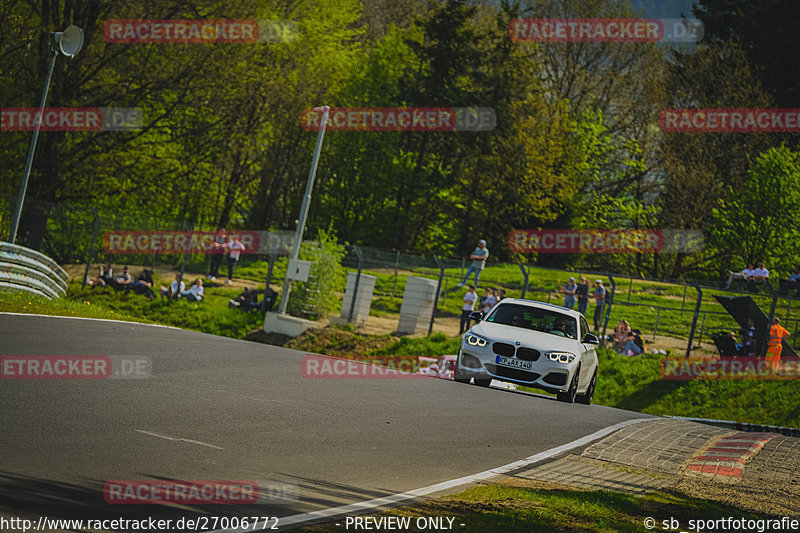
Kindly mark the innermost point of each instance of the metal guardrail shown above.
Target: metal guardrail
(23, 269)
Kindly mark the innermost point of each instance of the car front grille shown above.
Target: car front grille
(528, 354)
(508, 350)
(501, 348)
(512, 373)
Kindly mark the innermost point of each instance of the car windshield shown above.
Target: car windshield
(545, 320)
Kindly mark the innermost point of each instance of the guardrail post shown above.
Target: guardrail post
(91, 246)
(438, 290)
(524, 279)
(358, 280)
(694, 318)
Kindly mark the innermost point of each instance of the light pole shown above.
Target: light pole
(301, 223)
(69, 42)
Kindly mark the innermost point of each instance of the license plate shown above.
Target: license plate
(514, 363)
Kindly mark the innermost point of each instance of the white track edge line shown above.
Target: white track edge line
(295, 520)
(87, 318)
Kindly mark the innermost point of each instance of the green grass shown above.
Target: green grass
(210, 316)
(516, 507)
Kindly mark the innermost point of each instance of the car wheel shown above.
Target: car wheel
(483, 382)
(569, 396)
(586, 398)
(459, 375)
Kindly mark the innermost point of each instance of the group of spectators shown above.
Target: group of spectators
(580, 293)
(143, 284)
(484, 304)
(756, 273)
(729, 344)
(627, 341)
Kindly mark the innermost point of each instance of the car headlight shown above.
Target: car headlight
(474, 340)
(561, 357)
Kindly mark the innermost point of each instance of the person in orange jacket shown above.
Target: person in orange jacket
(774, 347)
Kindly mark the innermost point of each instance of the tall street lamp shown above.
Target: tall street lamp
(69, 42)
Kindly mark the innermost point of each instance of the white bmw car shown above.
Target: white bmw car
(535, 344)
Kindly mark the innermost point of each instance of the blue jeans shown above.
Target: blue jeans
(470, 270)
(598, 316)
(569, 301)
(631, 346)
(582, 305)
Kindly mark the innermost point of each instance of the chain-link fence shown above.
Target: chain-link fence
(660, 309)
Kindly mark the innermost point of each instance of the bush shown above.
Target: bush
(314, 298)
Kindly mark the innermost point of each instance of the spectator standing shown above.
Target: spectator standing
(490, 301)
(470, 298)
(234, 248)
(774, 344)
(216, 257)
(478, 257)
(582, 293)
(750, 341)
(599, 296)
(195, 292)
(569, 291)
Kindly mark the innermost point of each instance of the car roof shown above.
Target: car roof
(542, 305)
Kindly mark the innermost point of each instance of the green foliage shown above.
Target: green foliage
(314, 298)
(758, 220)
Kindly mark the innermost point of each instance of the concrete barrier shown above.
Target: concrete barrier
(23, 269)
(417, 306)
(366, 288)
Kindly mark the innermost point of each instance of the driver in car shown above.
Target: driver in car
(559, 327)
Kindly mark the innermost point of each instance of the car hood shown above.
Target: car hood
(526, 337)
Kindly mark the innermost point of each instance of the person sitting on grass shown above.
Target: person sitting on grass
(246, 300)
(123, 280)
(105, 278)
(143, 285)
(631, 347)
(174, 288)
(195, 292)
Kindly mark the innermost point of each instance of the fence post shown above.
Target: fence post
(358, 280)
(685, 288)
(91, 246)
(630, 289)
(273, 256)
(396, 266)
(658, 319)
(524, 280)
(694, 318)
(183, 266)
(438, 290)
(607, 310)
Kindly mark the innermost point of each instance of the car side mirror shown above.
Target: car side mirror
(590, 338)
(477, 316)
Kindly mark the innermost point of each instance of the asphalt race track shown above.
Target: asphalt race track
(220, 409)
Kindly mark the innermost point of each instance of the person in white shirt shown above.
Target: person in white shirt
(760, 274)
(469, 305)
(234, 247)
(195, 292)
(174, 288)
(490, 302)
(745, 275)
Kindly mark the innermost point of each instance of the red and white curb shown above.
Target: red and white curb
(724, 459)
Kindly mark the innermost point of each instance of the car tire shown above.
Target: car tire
(586, 398)
(458, 375)
(569, 396)
(482, 382)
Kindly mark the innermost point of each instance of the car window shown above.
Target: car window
(544, 320)
(584, 328)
